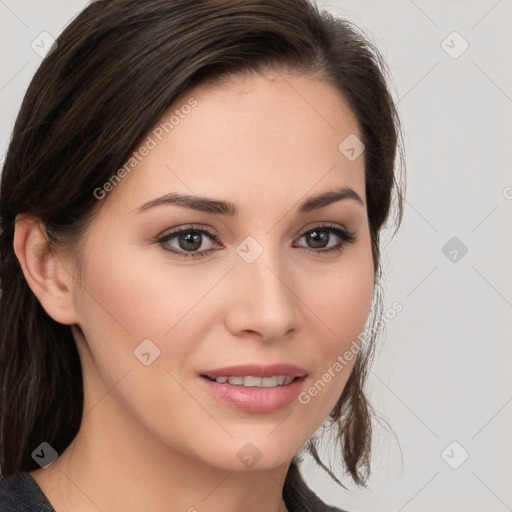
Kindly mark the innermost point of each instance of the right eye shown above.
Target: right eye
(189, 241)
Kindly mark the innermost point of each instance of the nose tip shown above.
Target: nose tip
(265, 303)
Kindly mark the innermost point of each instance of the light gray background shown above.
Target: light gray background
(442, 373)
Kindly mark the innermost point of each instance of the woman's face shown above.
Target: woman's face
(159, 311)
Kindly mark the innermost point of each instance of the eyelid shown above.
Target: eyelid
(174, 232)
(193, 227)
(346, 237)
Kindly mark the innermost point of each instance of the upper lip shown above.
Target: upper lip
(255, 370)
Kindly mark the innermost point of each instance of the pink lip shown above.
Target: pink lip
(255, 370)
(255, 399)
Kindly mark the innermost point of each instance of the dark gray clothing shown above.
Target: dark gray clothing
(20, 493)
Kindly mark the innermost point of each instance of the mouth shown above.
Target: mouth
(253, 393)
(249, 381)
(255, 388)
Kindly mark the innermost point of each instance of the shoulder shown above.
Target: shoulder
(298, 497)
(19, 492)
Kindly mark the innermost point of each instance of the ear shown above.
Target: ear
(51, 283)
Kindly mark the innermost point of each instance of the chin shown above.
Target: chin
(250, 456)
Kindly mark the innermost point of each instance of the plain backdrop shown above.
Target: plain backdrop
(441, 378)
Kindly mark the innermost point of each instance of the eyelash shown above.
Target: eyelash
(347, 237)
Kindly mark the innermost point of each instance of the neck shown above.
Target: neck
(115, 465)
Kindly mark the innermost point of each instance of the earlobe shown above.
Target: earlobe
(50, 282)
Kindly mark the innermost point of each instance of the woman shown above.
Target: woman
(191, 208)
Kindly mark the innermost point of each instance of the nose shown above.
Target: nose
(264, 300)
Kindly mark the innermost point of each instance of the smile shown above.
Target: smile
(259, 382)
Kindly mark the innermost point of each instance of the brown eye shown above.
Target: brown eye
(320, 236)
(188, 242)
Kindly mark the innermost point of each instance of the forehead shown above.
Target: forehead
(249, 138)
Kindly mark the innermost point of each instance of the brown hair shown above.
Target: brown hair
(115, 71)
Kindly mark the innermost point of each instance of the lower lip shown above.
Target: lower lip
(254, 399)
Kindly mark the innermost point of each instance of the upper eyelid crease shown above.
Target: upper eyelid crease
(340, 231)
(347, 237)
(206, 205)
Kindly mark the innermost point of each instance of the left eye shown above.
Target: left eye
(321, 234)
(190, 240)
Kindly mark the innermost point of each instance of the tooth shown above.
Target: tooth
(252, 381)
(269, 382)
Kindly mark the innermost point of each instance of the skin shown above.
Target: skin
(152, 438)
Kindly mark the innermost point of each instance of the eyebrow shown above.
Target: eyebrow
(214, 206)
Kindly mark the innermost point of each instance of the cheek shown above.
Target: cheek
(341, 297)
(131, 297)
(341, 304)
(126, 300)
(146, 300)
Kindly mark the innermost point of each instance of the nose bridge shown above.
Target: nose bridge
(266, 301)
